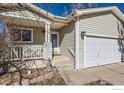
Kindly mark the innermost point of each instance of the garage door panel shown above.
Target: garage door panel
(101, 51)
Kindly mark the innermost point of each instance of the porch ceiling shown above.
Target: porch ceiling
(57, 25)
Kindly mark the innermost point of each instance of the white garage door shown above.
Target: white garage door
(101, 51)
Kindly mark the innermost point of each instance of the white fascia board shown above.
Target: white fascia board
(77, 44)
(114, 10)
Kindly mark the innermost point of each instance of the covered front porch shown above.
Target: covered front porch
(24, 35)
(32, 44)
(28, 33)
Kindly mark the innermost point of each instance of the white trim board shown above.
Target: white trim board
(77, 44)
(84, 52)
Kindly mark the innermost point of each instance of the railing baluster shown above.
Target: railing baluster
(19, 52)
(10, 53)
(23, 52)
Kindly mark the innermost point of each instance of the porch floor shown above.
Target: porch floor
(113, 73)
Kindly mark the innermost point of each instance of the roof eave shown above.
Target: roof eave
(114, 10)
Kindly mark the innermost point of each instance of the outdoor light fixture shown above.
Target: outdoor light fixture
(83, 34)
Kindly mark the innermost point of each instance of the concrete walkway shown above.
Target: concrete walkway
(113, 73)
(64, 65)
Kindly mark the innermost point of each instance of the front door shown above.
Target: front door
(55, 42)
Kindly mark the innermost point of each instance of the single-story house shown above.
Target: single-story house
(89, 37)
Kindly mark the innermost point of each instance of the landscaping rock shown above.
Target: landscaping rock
(35, 80)
(15, 83)
(49, 75)
(5, 79)
(25, 81)
(39, 76)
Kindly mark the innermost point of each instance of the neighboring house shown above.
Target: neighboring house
(90, 37)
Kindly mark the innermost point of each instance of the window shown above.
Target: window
(26, 35)
(20, 34)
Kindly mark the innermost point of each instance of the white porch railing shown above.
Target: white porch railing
(22, 52)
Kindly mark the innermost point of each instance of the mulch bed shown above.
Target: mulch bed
(40, 76)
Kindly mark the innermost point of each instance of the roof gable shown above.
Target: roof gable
(62, 20)
(22, 14)
(113, 10)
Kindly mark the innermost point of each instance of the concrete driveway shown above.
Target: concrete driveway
(113, 73)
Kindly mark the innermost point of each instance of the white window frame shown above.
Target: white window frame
(21, 35)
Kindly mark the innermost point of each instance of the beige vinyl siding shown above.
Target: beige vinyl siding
(67, 39)
(102, 24)
(105, 24)
(38, 36)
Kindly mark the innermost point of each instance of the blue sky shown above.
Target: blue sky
(59, 7)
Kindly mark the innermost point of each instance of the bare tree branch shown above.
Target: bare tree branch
(68, 7)
(7, 34)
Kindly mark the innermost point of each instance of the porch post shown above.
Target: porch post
(7, 43)
(47, 32)
(47, 43)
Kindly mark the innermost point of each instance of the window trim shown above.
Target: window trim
(21, 35)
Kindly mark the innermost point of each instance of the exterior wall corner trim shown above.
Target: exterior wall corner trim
(77, 44)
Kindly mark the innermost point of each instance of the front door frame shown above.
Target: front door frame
(56, 50)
